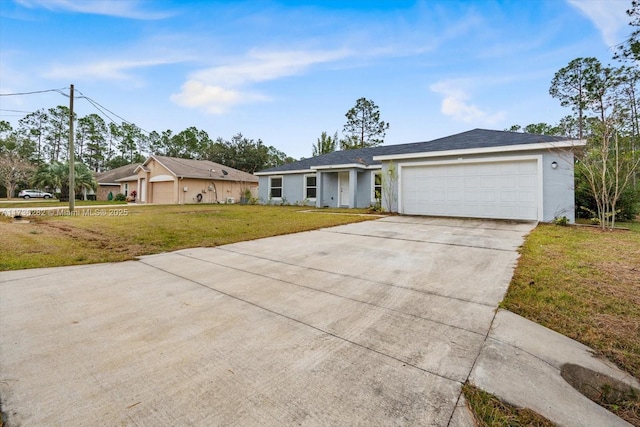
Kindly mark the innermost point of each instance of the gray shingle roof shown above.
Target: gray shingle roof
(476, 138)
(111, 176)
(204, 169)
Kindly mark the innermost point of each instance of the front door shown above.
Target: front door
(343, 187)
(143, 190)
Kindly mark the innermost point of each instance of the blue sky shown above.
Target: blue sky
(284, 71)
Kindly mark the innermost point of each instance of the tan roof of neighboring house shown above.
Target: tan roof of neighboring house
(203, 169)
(128, 178)
(112, 176)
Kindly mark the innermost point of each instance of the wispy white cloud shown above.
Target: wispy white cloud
(215, 90)
(609, 17)
(116, 69)
(262, 66)
(455, 103)
(213, 99)
(124, 9)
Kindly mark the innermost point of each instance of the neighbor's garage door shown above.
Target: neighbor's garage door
(162, 192)
(506, 190)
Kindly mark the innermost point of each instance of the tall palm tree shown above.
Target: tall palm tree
(51, 176)
(84, 178)
(55, 175)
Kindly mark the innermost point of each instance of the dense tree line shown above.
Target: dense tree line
(42, 137)
(604, 101)
(40, 143)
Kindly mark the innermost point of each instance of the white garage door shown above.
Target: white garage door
(507, 190)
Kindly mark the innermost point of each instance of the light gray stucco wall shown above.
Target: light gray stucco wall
(558, 197)
(363, 198)
(263, 189)
(292, 190)
(389, 202)
(329, 190)
(559, 186)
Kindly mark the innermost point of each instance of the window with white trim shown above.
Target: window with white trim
(275, 187)
(310, 187)
(376, 190)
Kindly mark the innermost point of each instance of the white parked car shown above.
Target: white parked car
(27, 194)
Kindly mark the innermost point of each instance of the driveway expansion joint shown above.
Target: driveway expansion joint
(382, 307)
(467, 227)
(351, 276)
(331, 334)
(406, 239)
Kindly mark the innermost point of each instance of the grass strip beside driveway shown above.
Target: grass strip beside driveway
(488, 410)
(119, 233)
(584, 283)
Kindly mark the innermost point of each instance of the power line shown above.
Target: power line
(34, 92)
(15, 111)
(101, 108)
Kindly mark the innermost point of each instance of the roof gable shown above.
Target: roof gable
(112, 176)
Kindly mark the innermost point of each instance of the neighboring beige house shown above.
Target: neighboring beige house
(171, 180)
(119, 180)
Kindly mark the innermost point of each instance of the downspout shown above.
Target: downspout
(215, 190)
(213, 184)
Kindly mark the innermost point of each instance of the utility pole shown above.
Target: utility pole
(72, 169)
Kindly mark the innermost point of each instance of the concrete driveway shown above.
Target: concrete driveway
(376, 323)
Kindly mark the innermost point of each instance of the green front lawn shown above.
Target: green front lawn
(122, 232)
(584, 283)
